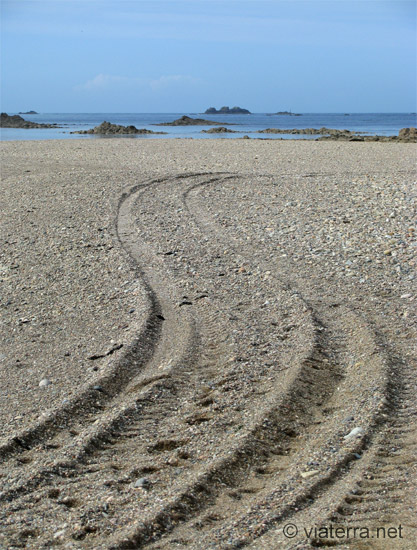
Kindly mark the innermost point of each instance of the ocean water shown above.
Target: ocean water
(371, 123)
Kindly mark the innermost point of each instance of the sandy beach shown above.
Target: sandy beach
(204, 341)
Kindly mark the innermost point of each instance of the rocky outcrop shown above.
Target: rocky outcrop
(287, 113)
(188, 121)
(309, 131)
(408, 134)
(29, 113)
(219, 130)
(16, 121)
(107, 128)
(227, 111)
(405, 135)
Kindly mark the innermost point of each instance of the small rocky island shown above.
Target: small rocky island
(227, 111)
(107, 128)
(286, 113)
(188, 121)
(16, 121)
(29, 113)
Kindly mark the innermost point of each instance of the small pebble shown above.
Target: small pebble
(142, 483)
(308, 474)
(44, 382)
(355, 432)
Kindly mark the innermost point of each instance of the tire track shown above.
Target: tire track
(116, 435)
(370, 473)
(228, 428)
(139, 538)
(385, 494)
(73, 431)
(111, 384)
(216, 513)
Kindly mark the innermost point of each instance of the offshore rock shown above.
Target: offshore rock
(219, 130)
(309, 131)
(188, 121)
(287, 113)
(227, 111)
(405, 135)
(332, 134)
(107, 128)
(16, 121)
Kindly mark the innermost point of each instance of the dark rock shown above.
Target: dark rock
(16, 121)
(142, 483)
(288, 113)
(107, 128)
(308, 131)
(407, 135)
(188, 121)
(227, 111)
(219, 130)
(29, 113)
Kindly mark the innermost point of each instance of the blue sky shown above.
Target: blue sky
(185, 56)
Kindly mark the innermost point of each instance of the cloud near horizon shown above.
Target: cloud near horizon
(105, 82)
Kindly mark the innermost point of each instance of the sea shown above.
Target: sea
(384, 124)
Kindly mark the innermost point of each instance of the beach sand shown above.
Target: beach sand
(203, 341)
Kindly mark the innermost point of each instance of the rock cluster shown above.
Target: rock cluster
(219, 130)
(188, 121)
(309, 131)
(16, 121)
(408, 134)
(227, 111)
(405, 134)
(107, 128)
(288, 113)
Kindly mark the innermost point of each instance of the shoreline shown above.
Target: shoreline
(383, 124)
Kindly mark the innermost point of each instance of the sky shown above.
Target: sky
(143, 56)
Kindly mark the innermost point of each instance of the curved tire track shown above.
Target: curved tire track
(171, 422)
(380, 367)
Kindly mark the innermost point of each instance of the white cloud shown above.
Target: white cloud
(107, 81)
(103, 82)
